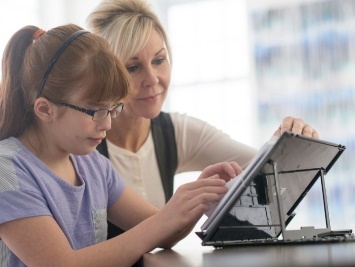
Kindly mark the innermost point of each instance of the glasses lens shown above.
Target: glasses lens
(116, 111)
(100, 114)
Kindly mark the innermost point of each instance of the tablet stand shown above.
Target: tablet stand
(305, 232)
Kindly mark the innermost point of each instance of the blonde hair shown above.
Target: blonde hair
(126, 25)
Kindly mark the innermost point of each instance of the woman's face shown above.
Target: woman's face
(150, 71)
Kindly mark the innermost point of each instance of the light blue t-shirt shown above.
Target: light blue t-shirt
(29, 188)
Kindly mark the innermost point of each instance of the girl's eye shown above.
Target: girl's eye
(132, 68)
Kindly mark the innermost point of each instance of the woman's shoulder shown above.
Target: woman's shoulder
(181, 118)
(185, 122)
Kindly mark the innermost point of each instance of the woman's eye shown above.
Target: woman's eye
(158, 61)
(132, 68)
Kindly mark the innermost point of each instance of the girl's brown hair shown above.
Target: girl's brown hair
(87, 62)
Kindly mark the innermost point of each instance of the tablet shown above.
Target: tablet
(250, 209)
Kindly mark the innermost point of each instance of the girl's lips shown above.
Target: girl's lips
(96, 140)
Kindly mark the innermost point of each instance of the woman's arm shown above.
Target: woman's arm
(200, 144)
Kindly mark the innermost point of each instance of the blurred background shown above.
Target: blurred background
(243, 65)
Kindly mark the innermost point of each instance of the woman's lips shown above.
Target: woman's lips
(150, 99)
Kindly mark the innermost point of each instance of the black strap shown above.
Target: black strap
(166, 152)
(102, 148)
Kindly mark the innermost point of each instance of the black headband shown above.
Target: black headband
(56, 56)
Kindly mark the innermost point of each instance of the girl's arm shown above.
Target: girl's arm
(39, 241)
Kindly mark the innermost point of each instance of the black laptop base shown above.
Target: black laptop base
(267, 242)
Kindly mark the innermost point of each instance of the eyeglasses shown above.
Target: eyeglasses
(97, 115)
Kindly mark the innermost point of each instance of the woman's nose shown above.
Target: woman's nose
(150, 77)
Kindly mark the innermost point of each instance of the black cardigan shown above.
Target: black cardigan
(166, 152)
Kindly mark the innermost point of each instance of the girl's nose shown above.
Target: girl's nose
(105, 124)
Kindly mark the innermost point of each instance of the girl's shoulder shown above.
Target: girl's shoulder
(9, 145)
(93, 158)
(9, 150)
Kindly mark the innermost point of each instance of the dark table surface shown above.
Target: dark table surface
(324, 254)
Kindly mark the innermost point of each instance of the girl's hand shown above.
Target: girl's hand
(224, 170)
(191, 200)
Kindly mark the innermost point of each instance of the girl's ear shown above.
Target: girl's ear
(44, 109)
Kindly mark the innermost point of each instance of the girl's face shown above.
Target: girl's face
(150, 71)
(76, 131)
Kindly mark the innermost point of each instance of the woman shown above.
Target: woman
(158, 145)
(59, 91)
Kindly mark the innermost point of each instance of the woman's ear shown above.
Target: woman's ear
(44, 109)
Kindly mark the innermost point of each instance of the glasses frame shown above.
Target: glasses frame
(91, 112)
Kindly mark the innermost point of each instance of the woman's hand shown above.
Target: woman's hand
(297, 126)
